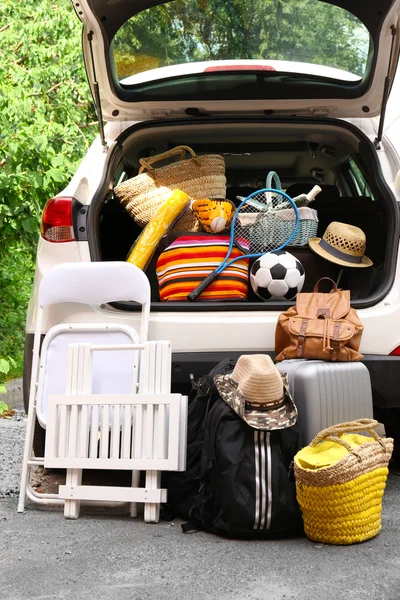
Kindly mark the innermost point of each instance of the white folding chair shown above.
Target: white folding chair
(75, 360)
(144, 431)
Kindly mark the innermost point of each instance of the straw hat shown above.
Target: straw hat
(342, 244)
(258, 393)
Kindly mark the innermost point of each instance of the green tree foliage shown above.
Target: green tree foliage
(45, 107)
(46, 115)
(195, 30)
(16, 275)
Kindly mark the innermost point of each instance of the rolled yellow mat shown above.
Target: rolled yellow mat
(157, 227)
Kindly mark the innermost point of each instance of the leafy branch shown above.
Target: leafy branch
(46, 129)
(5, 365)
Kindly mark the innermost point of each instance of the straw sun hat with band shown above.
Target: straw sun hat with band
(258, 393)
(342, 244)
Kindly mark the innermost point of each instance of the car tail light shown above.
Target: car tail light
(57, 221)
(238, 68)
(395, 352)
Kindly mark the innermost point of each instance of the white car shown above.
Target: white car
(197, 72)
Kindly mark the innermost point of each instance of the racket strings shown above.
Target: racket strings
(264, 222)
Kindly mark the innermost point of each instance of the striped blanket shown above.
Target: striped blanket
(190, 258)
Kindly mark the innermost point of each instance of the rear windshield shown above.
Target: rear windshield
(193, 36)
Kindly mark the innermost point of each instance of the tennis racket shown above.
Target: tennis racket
(265, 221)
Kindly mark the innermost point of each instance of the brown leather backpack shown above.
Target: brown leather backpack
(320, 326)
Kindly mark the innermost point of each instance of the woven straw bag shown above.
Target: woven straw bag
(341, 501)
(308, 226)
(199, 177)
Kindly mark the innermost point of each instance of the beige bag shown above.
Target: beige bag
(320, 326)
(199, 177)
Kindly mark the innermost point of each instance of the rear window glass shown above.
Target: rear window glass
(194, 36)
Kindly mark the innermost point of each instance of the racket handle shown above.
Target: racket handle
(202, 286)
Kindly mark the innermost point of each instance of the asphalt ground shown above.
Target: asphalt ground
(106, 554)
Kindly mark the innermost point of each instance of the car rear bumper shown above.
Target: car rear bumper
(384, 371)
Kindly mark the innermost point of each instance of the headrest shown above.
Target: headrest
(303, 188)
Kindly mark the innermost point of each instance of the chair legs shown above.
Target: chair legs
(152, 511)
(157, 365)
(72, 507)
(135, 484)
(27, 457)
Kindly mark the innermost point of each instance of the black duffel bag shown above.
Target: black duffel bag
(247, 487)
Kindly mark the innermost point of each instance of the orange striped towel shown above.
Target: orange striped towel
(190, 258)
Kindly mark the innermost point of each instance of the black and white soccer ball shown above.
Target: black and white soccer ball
(277, 275)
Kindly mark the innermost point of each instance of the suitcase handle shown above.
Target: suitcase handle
(334, 288)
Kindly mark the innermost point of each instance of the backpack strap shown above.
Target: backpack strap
(207, 461)
(191, 527)
(301, 338)
(219, 409)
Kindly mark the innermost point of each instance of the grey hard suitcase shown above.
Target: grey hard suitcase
(327, 393)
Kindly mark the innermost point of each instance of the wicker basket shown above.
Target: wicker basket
(341, 502)
(308, 226)
(199, 177)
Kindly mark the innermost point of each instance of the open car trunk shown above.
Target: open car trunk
(304, 152)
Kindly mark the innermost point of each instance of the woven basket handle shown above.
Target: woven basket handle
(332, 433)
(349, 427)
(181, 150)
(338, 440)
(334, 288)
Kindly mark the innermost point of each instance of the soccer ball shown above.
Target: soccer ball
(277, 275)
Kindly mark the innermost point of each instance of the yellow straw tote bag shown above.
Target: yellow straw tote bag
(340, 481)
(199, 177)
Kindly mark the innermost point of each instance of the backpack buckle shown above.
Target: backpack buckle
(195, 384)
(200, 384)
